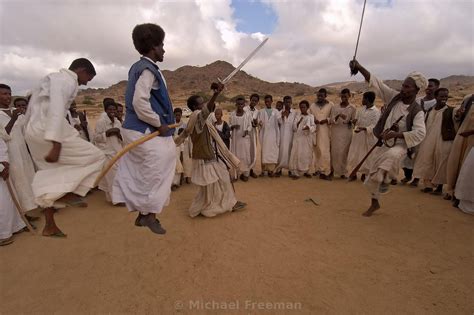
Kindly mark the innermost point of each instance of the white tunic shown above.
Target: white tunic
(341, 136)
(388, 159)
(286, 139)
(322, 144)
(145, 174)
(110, 146)
(364, 140)
(254, 145)
(240, 146)
(269, 135)
(10, 220)
(302, 150)
(79, 162)
(22, 170)
(433, 152)
(465, 185)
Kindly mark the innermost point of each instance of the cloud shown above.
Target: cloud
(312, 41)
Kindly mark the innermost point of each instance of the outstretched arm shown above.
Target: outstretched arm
(356, 66)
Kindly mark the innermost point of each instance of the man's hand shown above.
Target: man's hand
(459, 112)
(163, 129)
(324, 121)
(53, 155)
(317, 122)
(217, 87)
(236, 127)
(246, 133)
(391, 134)
(6, 170)
(112, 132)
(305, 128)
(467, 133)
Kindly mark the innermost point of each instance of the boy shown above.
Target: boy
(107, 137)
(302, 150)
(241, 142)
(285, 121)
(269, 136)
(342, 116)
(363, 138)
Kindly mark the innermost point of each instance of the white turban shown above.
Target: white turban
(420, 80)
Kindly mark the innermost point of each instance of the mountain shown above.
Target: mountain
(188, 80)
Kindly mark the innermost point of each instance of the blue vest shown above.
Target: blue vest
(159, 99)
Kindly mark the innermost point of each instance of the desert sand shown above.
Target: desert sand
(280, 255)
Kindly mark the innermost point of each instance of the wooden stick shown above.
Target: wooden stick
(127, 148)
(18, 206)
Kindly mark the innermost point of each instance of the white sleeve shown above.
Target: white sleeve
(100, 129)
(417, 134)
(312, 125)
(141, 99)
(60, 92)
(3, 153)
(382, 90)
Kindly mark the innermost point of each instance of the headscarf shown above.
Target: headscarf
(420, 80)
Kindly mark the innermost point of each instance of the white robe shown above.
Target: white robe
(433, 152)
(269, 135)
(364, 140)
(22, 170)
(286, 139)
(465, 184)
(145, 173)
(80, 162)
(322, 143)
(384, 162)
(341, 136)
(110, 146)
(10, 220)
(216, 194)
(254, 143)
(241, 146)
(302, 150)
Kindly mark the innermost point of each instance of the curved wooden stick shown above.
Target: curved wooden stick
(18, 206)
(127, 148)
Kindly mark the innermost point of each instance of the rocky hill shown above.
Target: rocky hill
(188, 80)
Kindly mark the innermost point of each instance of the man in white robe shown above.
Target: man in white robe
(255, 146)
(269, 136)
(107, 137)
(211, 160)
(363, 138)
(240, 141)
(302, 150)
(145, 174)
(66, 163)
(384, 164)
(342, 115)
(285, 120)
(465, 184)
(321, 110)
(462, 145)
(427, 102)
(433, 152)
(22, 169)
(10, 220)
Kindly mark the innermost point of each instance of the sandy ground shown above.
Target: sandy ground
(413, 256)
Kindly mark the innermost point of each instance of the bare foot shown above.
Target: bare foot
(373, 207)
(50, 227)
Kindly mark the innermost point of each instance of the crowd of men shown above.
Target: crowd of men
(50, 155)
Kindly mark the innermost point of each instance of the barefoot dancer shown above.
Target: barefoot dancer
(66, 163)
(211, 158)
(384, 164)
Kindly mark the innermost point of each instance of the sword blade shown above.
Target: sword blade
(231, 75)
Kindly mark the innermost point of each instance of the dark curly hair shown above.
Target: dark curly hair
(146, 36)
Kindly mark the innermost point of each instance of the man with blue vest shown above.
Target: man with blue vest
(145, 173)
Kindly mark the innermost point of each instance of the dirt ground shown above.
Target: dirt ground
(280, 255)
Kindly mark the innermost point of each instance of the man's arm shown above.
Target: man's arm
(11, 123)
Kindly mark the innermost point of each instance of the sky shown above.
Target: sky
(309, 41)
